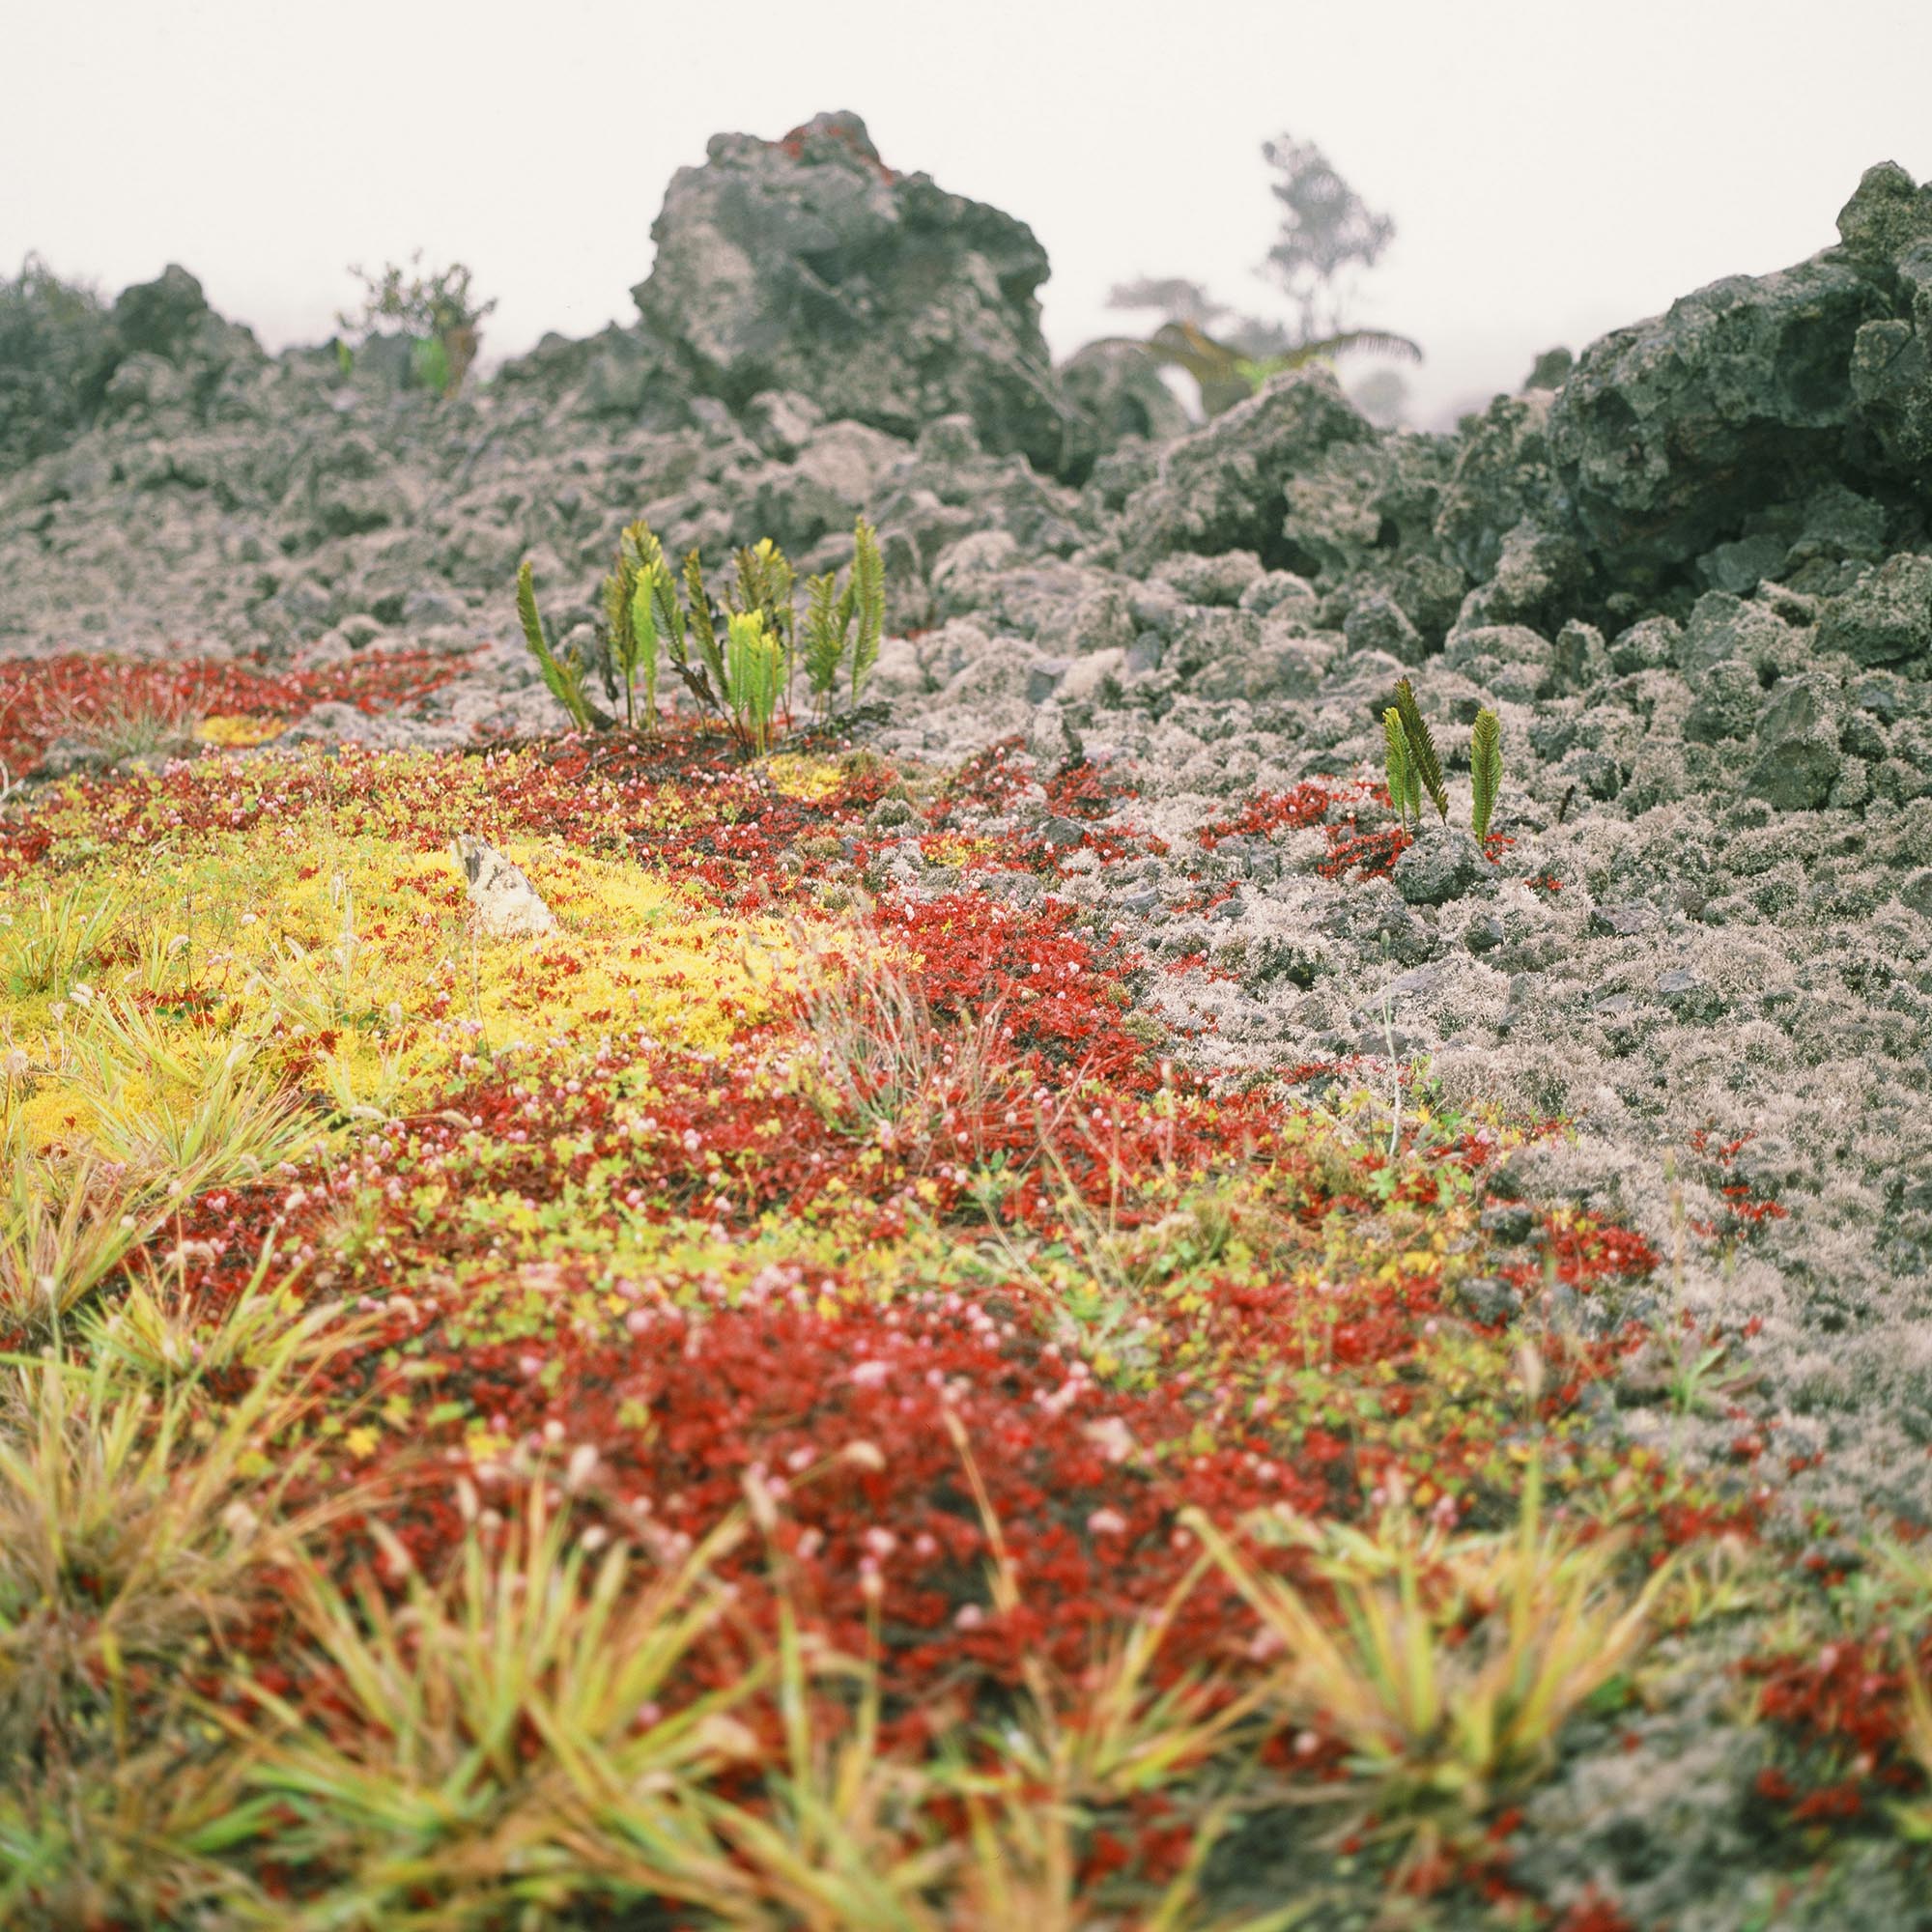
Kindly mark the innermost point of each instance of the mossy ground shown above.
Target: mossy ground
(758, 1166)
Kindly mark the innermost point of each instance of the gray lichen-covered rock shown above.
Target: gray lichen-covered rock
(807, 264)
(1116, 391)
(1442, 864)
(1500, 477)
(1671, 436)
(1887, 617)
(1798, 749)
(1222, 488)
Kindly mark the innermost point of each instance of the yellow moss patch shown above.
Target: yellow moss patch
(795, 775)
(952, 848)
(229, 728)
(355, 965)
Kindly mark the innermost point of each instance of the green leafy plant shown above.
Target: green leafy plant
(436, 310)
(563, 675)
(829, 615)
(755, 670)
(1427, 766)
(630, 619)
(764, 588)
(494, 1720)
(1404, 783)
(1227, 374)
(1455, 1661)
(737, 656)
(1415, 771)
(1486, 770)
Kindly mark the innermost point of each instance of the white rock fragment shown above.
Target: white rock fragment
(507, 906)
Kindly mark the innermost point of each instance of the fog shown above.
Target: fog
(1554, 170)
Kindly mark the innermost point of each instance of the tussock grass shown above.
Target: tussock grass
(481, 1729)
(152, 724)
(1450, 1665)
(138, 1527)
(877, 1061)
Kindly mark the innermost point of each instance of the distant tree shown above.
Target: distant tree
(1327, 228)
(437, 312)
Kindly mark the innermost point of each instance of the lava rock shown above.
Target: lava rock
(1798, 756)
(1887, 618)
(1442, 864)
(1220, 488)
(1667, 434)
(807, 264)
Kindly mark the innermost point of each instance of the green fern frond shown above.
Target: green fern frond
(1378, 341)
(565, 681)
(1421, 748)
(641, 544)
(765, 580)
(668, 610)
(754, 665)
(1401, 771)
(644, 640)
(1486, 770)
(824, 636)
(701, 626)
(868, 591)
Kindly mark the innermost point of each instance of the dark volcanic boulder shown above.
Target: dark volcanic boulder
(808, 265)
(1668, 435)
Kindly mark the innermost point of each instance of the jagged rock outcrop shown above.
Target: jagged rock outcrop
(1668, 435)
(807, 264)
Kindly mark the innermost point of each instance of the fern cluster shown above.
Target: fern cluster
(1415, 771)
(743, 672)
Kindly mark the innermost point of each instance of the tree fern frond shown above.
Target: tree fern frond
(1486, 770)
(1378, 341)
(1421, 748)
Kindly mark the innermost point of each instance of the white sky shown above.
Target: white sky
(1555, 167)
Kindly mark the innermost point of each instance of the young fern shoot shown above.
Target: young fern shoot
(867, 591)
(643, 652)
(824, 637)
(830, 615)
(754, 667)
(1427, 766)
(563, 676)
(629, 650)
(1404, 788)
(1485, 771)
